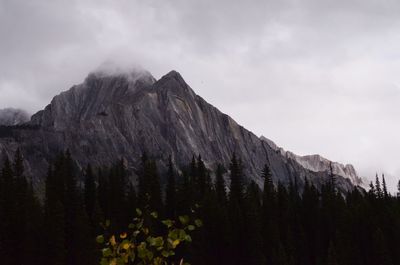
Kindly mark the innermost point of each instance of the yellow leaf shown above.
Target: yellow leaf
(175, 243)
(123, 235)
(112, 241)
(126, 246)
(113, 262)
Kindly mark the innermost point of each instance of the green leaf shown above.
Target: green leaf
(104, 261)
(191, 227)
(150, 255)
(139, 212)
(168, 223)
(154, 215)
(198, 222)
(182, 234)
(175, 243)
(173, 234)
(158, 241)
(142, 251)
(100, 239)
(165, 253)
(184, 219)
(106, 252)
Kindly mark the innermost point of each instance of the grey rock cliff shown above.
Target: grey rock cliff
(121, 115)
(317, 163)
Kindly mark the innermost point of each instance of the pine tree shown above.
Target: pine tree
(155, 200)
(378, 189)
(8, 204)
(332, 179)
(23, 219)
(254, 249)
(398, 189)
(269, 229)
(54, 221)
(170, 198)
(372, 192)
(149, 189)
(381, 255)
(331, 259)
(117, 181)
(220, 184)
(236, 211)
(184, 194)
(236, 185)
(201, 178)
(384, 188)
(90, 191)
(132, 203)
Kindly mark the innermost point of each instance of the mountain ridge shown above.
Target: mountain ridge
(318, 163)
(119, 116)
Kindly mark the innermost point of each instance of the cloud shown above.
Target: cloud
(314, 76)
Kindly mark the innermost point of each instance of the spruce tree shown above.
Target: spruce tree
(269, 217)
(254, 252)
(378, 189)
(331, 258)
(132, 203)
(170, 197)
(220, 184)
(201, 178)
(90, 191)
(236, 211)
(385, 193)
(236, 185)
(54, 221)
(398, 189)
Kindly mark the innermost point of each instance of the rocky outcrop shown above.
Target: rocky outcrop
(111, 116)
(317, 163)
(10, 116)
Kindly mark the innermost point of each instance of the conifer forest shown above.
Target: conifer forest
(240, 222)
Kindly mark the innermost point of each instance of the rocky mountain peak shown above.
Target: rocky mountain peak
(173, 83)
(94, 97)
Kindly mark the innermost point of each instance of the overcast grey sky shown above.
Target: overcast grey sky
(314, 76)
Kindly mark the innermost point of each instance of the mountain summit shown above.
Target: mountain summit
(121, 115)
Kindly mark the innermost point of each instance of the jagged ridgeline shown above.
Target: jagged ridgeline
(121, 115)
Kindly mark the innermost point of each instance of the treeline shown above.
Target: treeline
(279, 225)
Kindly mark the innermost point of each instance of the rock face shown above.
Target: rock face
(111, 116)
(317, 163)
(10, 116)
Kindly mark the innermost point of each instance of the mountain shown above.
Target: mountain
(317, 163)
(10, 116)
(121, 115)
